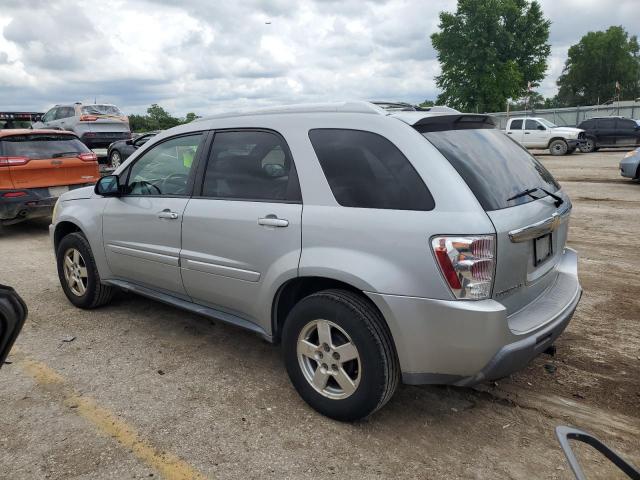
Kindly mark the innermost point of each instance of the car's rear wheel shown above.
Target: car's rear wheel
(79, 275)
(588, 146)
(115, 159)
(558, 147)
(339, 355)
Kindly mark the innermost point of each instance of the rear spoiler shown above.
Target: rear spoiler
(460, 121)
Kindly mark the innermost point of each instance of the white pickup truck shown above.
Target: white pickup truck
(540, 133)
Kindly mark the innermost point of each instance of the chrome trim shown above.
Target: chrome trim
(222, 270)
(542, 227)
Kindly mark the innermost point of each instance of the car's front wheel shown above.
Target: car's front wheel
(79, 275)
(558, 147)
(115, 159)
(588, 146)
(339, 355)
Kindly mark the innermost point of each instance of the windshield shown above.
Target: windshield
(494, 166)
(547, 123)
(102, 110)
(39, 146)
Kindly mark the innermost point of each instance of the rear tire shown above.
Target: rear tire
(316, 367)
(79, 275)
(558, 147)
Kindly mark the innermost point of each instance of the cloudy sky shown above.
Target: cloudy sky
(210, 56)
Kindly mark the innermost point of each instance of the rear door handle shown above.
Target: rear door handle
(168, 214)
(273, 221)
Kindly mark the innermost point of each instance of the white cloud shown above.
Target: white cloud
(208, 56)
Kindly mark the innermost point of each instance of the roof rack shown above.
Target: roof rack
(341, 107)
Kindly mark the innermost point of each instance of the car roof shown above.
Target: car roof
(28, 131)
(359, 107)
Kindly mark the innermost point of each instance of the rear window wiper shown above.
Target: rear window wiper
(529, 192)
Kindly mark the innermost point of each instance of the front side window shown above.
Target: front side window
(366, 170)
(50, 115)
(165, 168)
(607, 123)
(250, 165)
(532, 125)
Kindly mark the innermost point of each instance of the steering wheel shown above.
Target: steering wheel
(175, 179)
(144, 183)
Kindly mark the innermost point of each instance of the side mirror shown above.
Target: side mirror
(541, 127)
(108, 186)
(13, 313)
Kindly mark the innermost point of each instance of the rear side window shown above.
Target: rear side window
(626, 124)
(366, 170)
(494, 166)
(65, 112)
(38, 146)
(516, 125)
(250, 165)
(608, 123)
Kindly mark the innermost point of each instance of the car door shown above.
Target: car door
(142, 228)
(535, 134)
(241, 234)
(606, 132)
(515, 130)
(626, 132)
(64, 117)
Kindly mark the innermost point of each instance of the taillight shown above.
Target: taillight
(14, 194)
(467, 264)
(12, 161)
(88, 157)
(88, 118)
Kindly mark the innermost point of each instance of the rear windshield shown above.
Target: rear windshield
(102, 110)
(37, 146)
(493, 165)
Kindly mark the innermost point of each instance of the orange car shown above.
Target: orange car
(36, 167)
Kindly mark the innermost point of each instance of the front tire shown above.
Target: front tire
(79, 275)
(588, 146)
(339, 355)
(558, 147)
(115, 159)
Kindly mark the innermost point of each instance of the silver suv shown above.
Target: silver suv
(376, 246)
(97, 125)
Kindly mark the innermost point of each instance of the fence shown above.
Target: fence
(572, 116)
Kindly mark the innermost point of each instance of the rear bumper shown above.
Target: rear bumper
(103, 139)
(36, 203)
(629, 166)
(464, 343)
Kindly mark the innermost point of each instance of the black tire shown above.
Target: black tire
(96, 294)
(558, 147)
(115, 158)
(588, 146)
(379, 366)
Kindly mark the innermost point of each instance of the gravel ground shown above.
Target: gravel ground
(146, 390)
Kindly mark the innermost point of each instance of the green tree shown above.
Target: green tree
(489, 51)
(190, 117)
(157, 118)
(427, 103)
(596, 63)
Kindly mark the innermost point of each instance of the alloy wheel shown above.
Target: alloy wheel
(75, 272)
(116, 160)
(329, 359)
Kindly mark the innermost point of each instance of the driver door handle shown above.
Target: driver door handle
(168, 214)
(273, 221)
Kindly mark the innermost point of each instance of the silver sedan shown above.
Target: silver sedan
(630, 165)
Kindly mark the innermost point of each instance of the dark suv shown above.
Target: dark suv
(610, 132)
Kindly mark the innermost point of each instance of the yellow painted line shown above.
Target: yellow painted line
(168, 465)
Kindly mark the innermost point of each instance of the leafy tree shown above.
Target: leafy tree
(427, 103)
(489, 51)
(596, 63)
(534, 100)
(157, 118)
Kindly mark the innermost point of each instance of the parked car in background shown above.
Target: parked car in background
(610, 132)
(36, 167)
(412, 259)
(630, 165)
(540, 133)
(12, 120)
(97, 126)
(119, 151)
